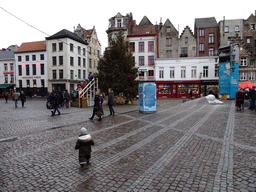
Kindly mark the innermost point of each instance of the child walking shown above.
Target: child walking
(84, 144)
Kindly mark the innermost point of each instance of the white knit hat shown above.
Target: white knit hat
(83, 131)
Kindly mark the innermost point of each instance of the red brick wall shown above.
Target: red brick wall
(205, 41)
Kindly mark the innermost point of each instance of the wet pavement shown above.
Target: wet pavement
(191, 146)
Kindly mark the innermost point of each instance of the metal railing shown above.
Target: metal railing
(89, 90)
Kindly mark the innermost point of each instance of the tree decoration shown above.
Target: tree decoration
(117, 70)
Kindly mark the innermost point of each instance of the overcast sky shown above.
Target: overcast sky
(51, 16)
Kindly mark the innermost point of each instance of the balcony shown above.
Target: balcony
(146, 78)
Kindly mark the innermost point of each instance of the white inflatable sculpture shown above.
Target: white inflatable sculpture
(212, 100)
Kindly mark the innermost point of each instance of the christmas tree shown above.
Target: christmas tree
(117, 68)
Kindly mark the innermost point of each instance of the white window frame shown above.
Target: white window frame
(251, 75)
(243, 76)
(205, 71)
(226, 29)
(201, 32)
(172, 72)
(216, 70)
(201, 47)
(211, 37)
(211, 51)
(193, 72)
(183, 72)
(243, 61)
(161, 73)
(236, 28)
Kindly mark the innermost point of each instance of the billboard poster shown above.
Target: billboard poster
(224, 79)
(147, 97)
(228, 79)
(234, 80)
(140, 97)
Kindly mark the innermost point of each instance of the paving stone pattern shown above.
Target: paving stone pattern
(191, 146)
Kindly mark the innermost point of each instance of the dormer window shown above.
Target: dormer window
(168, 29)
(119, 23)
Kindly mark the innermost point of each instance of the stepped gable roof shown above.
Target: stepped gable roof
(187, 28)
(6, 55)
(206, 22)
(88, 32)
(145, 21)
(32, 47)
(67, 34)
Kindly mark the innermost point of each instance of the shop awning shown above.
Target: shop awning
(5, 85)
(143, 69)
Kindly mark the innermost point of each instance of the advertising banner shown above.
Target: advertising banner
(147, 97)
(228, 79)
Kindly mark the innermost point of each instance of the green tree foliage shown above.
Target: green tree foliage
(117, 68)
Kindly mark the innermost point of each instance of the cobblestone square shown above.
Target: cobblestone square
(190, 146)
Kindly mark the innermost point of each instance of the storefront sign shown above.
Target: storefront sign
(5, 73)
(34, 77)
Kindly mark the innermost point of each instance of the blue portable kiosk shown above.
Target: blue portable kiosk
(147, 97)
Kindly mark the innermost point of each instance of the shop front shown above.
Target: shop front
(178, 89)
(207, 85)
(6, 88)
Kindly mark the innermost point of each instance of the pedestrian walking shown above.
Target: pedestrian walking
(111, 97)
(6, 95)
(66, 98)
(240, 99)
(22, 98)
(190, 94)
(84, 143)
(54, 103)
(97, 108)
(252, 95)
(16, 96)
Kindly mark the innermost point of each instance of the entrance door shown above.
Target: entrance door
(174, 91)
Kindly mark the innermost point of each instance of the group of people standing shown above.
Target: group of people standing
(246, 94)
(16, 95)
(58, 99)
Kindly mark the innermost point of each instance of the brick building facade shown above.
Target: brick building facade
(207, 35)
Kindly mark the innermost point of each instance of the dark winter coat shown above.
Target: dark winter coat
(22, 97)
(239, 98)
(111, 98)
(66, 95)
(97, 102)
(84, 143)
(54, 101)
(252, 94)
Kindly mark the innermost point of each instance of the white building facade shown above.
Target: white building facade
(67, 55)
(143, 48)
(7, 68)
(94, 48)
(178, 76)
(31, 68)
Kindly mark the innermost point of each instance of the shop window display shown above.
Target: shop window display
(182, 89)
(164, 89)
